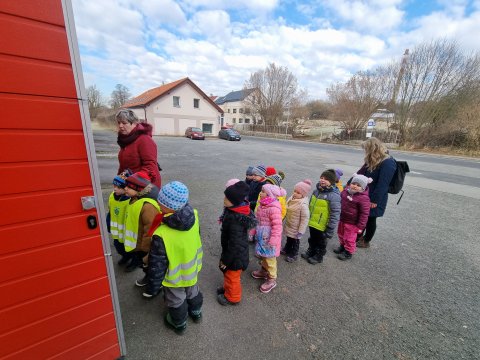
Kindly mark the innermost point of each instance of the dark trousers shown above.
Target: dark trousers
(370, 228)
(121, 249)
(292, 246)
(183, 301)
(317, 241)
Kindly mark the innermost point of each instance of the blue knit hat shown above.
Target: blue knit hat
(119, 180)
(173, 195)
(249, 171)
(259, 170)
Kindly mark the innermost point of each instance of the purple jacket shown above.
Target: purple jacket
(355, 208)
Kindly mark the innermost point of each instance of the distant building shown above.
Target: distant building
(235, 110)
(173, 107)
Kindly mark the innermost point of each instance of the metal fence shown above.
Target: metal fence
(320, 134)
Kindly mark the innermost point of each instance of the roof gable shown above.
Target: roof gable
(149, 96)
(239, 95)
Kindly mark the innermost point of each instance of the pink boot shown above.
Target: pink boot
(268, 285)
(260, 274)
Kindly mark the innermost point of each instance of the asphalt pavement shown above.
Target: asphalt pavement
(415, 294)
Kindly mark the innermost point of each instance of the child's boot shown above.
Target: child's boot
(308, 254)
(339, 250)
(344, 255)
(315, 259)
(260, 274)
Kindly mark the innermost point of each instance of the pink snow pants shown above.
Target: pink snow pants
(347, 235)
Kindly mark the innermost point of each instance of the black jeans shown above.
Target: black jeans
(370, 228)
(317, 241)
(292, 246)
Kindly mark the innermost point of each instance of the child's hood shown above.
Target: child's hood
(182, 219)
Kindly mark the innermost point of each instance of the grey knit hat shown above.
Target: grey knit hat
(361, 180)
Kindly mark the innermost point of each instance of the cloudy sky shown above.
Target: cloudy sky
(219, 43)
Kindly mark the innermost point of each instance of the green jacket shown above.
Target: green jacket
(325, 206)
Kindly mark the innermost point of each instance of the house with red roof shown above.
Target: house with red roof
(173, 107)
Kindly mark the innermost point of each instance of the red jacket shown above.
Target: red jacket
(138, 152)
(355, 208)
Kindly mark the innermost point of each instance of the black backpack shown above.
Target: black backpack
(398, 179)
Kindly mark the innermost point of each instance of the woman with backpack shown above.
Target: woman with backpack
(381, 167)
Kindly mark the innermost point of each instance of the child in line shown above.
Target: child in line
(338, 183)
(258, 181)
(117, 204)
(175, 257)
(237, 219)
(249, 175)
(354, 215)
(276, 179)
(268, 234)
(324, 214)
(296, 221)
(139, 215)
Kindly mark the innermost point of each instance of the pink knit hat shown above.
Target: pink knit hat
(231, 182)
(273, 191)
(303, 187)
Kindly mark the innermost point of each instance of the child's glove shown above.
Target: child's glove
(299, 235)
(222, 266)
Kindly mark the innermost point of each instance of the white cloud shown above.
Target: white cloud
(162, 12)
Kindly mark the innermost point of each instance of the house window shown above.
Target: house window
(247, 121)
(228, 110)
(234, 120)
(196, 103)
(240, 111)
(234, 111)
(240, 120)
(176, 101)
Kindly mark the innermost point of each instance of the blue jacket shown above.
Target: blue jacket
(378, 189)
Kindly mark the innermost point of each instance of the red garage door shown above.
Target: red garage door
(55, 293)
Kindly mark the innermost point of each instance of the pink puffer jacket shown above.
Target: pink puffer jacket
(269, 228)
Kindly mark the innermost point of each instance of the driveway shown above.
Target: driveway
(415, 294)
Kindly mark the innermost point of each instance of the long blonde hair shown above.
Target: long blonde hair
(375, 153)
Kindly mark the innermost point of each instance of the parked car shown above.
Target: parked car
(194, 133)
(229, 134)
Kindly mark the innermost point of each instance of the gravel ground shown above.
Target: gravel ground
(415, 294)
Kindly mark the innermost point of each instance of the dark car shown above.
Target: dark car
(194, 133)
(229, 134)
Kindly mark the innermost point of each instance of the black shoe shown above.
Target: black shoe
(196, 317)
(179, 330)
(308, 254)
(147, 294)
(142, 282)
(315, 259)
(220, 290)
(124, 260)
(344, 255)
(339, 250)
(222, 300)
(132, 266)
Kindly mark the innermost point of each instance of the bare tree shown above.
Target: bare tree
(119, 96)
(319, 109)
(432, 84)
(354, 101)
(275, 88)
(95, 100)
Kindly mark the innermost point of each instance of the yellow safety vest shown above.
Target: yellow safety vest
(117, 210)
(132, 214)
(184, 253)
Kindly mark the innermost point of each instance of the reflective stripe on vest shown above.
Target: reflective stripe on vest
(319, 213)
(132, 215)
(117, 211)
(184, 253)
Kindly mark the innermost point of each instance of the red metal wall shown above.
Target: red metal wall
(55, 299)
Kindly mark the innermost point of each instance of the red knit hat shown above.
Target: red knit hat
(270, 171)
(138, 181)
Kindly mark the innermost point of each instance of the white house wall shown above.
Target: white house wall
(170, 120)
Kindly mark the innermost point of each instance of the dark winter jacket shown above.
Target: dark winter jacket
(182, 220)
(235, 225)
(378, 188)
(355, 208)
(255, 189)
(138, 152)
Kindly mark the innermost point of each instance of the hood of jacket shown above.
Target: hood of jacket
(150, 192)
(182, 219)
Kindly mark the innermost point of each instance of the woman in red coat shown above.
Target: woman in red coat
(138, 151)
